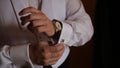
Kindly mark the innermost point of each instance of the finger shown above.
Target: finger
(45, 29)
(38, 23)
(46, 59)
(54, 52)
(25, 19)
(47, 53)
(49, 58)
(45, 62)
(29, 10)
(35, 16)
(41, 29)
(30, 27)
(57, 48)
(32, 17)
(57, 53)
(52, 60)
(60, 46)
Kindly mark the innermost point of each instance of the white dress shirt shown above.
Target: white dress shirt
(14, 41)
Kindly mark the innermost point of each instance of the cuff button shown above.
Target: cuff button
(62, 40)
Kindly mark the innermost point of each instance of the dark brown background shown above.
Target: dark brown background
(82, 57)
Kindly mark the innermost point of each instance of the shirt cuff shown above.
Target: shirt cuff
(19, 54)
(66, 34)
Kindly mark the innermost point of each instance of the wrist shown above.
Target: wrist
(57, 25)
(58, 28)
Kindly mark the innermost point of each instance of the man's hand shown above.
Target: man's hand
(38, 21)
(45, 54)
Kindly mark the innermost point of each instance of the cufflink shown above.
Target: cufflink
(62, 40)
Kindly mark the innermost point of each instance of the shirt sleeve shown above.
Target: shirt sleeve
(19, 54)
(15, 57)
(77, 28)
(5, 61)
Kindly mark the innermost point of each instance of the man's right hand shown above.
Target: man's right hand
(45, 54)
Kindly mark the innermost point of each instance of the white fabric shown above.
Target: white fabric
(14, 42)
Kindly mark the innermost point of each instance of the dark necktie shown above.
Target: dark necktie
(47, 66)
